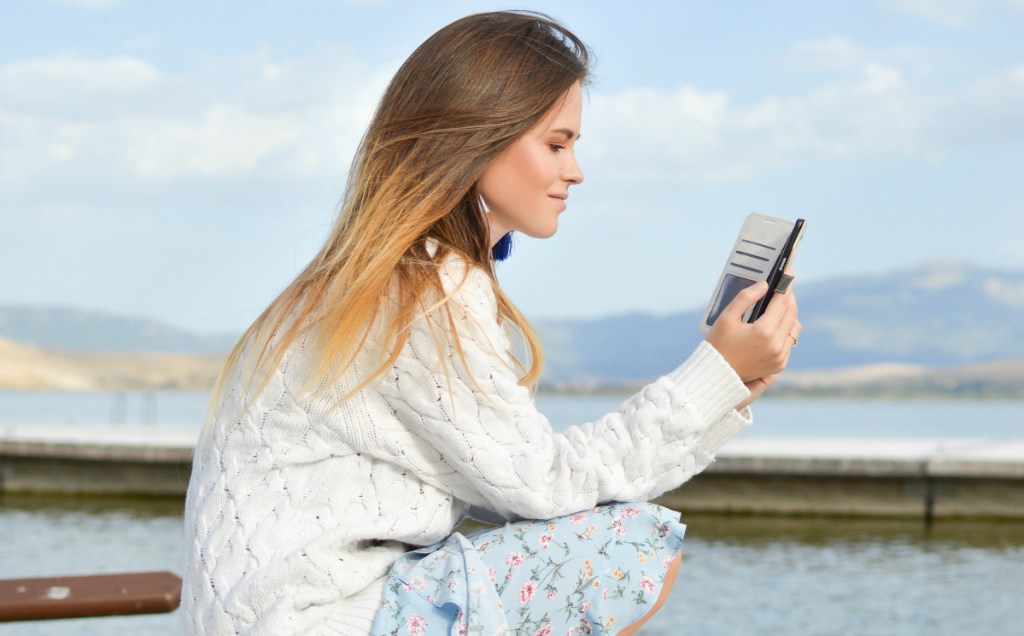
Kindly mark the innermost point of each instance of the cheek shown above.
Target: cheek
(534, 168)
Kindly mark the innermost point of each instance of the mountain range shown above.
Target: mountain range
(937, 316)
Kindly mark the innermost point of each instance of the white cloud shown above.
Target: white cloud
(107, 120)
(67, 84)
(68, 119)
(861, 105)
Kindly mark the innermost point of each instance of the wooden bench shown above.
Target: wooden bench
(95, 595)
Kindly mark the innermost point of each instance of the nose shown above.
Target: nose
(571, 171)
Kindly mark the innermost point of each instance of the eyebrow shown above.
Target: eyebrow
(569, 134)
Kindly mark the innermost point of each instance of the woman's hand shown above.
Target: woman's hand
(758, 352)
(757, 388)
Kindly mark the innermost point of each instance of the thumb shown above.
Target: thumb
(744, 301)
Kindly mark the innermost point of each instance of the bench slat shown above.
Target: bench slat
(94, 595)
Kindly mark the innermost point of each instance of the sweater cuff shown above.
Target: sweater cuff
(709, 383)
(724, 429)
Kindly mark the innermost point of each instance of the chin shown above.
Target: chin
(541, 233)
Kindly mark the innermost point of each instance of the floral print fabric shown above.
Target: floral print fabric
(592, 572)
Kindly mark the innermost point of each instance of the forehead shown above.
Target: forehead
(566, 112)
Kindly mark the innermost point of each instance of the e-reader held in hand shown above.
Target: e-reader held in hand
(763, 248)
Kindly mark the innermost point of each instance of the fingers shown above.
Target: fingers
(795, 331)
(781, 327)
(778, 306)
(762, 348)
(743, 301)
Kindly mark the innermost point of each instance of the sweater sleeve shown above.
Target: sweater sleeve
(503, 452)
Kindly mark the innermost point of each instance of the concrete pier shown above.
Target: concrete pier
(927, 478)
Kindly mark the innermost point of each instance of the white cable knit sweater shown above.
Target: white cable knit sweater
(295, 505)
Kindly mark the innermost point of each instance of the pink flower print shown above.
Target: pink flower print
(647, 584)
(552, 595)
(416, 625)
(527, 591)
(667, 561)
(630, 512)
(619, 528)
(578, 518)
(477, 590)
(418, 582)
(462, 626)
(406, 586)
(584, 606)
(452, 584)
(491, 573)
(545, 630)
(514, 560)
(604, 594)
(545, 541)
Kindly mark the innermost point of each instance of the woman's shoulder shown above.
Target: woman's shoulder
(467, 283)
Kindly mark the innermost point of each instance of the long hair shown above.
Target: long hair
(461, 99)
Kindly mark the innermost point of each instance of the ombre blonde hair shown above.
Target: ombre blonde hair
(461, 99)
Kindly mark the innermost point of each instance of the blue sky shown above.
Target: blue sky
(182, 161)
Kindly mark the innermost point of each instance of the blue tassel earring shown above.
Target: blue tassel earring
(502, 248)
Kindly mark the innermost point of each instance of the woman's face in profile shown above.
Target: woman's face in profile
(525, 187)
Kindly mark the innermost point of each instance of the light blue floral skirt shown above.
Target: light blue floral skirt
(593, 572)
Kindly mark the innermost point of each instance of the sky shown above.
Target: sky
(182, 161)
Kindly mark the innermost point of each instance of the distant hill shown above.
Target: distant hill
(1002, 379)
(80, 330)
(23, 366)
(936, 314)
(936, 317)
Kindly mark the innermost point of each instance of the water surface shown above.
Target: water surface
(741, 574)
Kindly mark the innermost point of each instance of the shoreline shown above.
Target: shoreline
(780, 393)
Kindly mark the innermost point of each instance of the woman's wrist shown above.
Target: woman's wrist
(709, 382)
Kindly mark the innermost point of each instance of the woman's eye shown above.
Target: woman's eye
(556, 147)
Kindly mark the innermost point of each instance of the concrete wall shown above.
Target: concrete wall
(902, 478)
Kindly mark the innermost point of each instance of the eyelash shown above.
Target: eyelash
(556, 147)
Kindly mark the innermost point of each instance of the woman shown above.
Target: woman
(375, 402)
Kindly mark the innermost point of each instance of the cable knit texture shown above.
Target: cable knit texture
(296, 504)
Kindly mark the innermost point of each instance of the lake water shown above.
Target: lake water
(994, 419)
(741, 575)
